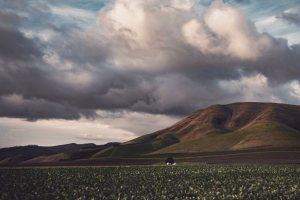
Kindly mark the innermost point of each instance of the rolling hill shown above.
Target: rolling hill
(231, 127)
(23, 153)
(69, 147)
(236, 128)
(32, 150)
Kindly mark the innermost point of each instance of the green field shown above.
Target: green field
(153, 182)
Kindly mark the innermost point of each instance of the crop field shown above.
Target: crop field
(153, 182)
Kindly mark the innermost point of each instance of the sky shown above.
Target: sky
(109, 71)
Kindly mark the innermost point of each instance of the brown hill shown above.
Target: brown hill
(69, 147)
(21, 153)
(231, 127)
(32, 150)
(16, 159)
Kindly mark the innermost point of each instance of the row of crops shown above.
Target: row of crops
(153, 182)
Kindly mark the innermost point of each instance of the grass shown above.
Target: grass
(218, 153)
(136, 149)
(127, 150)
(132, 150)
(265, 134)
(106, 153)
(56, 157)
(4, 161)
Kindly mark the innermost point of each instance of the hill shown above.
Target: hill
(23, 153)
(84, 153)
(254, 130)
(69, 147)
(232, 127)
(32, 150)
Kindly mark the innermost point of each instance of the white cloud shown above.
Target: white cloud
(183, 4)
(72, 12)
(292, 38)
(253, 88)
(226, 31)
(295, 89)
(137, 123)
(139, 39)
(143, 34)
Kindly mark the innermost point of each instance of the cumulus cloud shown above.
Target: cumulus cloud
(156, 56)
(226, 31)
(140, 39)
(222, 38)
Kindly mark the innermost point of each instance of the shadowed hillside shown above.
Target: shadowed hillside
(24, 153)
(84, 153)
(69, 147)
(33, 150)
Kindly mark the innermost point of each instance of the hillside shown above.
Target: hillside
(69, 147)
(232, 127)
(219, 130)
(24, 153)
(32, 150)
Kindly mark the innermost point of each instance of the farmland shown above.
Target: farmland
(153, 182)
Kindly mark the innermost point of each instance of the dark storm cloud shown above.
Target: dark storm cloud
(80, 48)
(74, 73)
(34, 109)
(293, 18)
(281, 64)
(14, 45)
(9, 19)
(29, 88)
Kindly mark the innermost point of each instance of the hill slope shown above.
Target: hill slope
(22, 153)
(232, 127)
(24, 150)
(69, 147)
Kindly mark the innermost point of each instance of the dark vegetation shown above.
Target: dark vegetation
(153, 182)
(170, 160)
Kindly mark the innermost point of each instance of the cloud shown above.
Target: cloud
(16, 107)
(293, 18)
(135, 122)
(222, 39)
(87, 136)
(14, 45)
(226, 31)
(154, 57)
